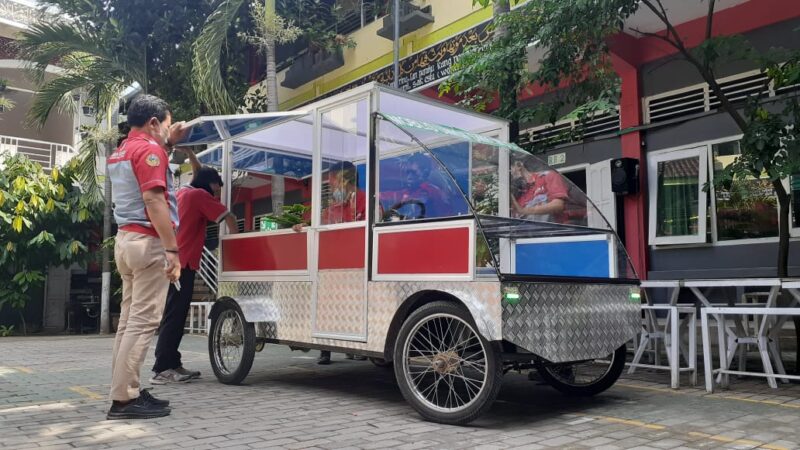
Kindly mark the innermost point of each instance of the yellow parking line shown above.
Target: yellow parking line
(727, 397)
(633, 423)
(649, 388)
(729, 440)
(86, 393)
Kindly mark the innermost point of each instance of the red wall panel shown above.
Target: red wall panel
(424, 252)
(342, 249)
(278, 252)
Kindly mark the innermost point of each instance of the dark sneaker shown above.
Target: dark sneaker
(191, 373)
(359, 358)
(169, 376)
(137, 409)
(324, 358)
(145, 394)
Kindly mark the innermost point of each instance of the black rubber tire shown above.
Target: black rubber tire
(588, 390)
(380, 362)
(494, 367)
(237, 375)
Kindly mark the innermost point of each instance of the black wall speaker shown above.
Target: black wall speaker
(625, 176)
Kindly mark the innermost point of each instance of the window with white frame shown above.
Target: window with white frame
(683, 212)
(678, 203)
(747, 208)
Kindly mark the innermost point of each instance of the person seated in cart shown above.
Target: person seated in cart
(541, 195)
(347, 204)
(419, 198)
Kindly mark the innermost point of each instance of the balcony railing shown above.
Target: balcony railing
(48, 154)
(19, 12)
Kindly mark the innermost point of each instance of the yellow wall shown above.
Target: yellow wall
(373, 52)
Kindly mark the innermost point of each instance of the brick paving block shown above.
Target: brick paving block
(597, 441)
(560, 441)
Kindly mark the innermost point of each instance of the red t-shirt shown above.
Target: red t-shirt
(544, 187)
(196, 207)
(351, 210)
(138, 165)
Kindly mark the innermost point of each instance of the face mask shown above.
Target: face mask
(338, 196)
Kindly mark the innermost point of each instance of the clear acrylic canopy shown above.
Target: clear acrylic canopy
(530, 219)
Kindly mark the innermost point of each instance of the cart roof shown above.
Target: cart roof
(252, 129)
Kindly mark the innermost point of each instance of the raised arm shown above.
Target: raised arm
(193, 161)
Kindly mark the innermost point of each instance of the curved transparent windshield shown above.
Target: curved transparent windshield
(531, 220)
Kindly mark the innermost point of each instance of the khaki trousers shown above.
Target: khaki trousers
(140, 262)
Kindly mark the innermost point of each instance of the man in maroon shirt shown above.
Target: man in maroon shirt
(198, 204)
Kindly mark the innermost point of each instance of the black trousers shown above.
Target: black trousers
(170, 332)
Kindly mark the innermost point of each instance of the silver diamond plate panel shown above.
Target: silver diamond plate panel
(571, 322)
(341, 305)
(284, 305)
(283, 308)
(482, 298)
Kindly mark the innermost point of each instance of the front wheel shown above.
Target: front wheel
(445, 369)
(587, 378)
(232, 343)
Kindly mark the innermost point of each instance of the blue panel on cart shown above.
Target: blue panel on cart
(572, 259)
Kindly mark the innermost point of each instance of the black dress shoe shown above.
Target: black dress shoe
(145, 394)
(137, 409)
(324, 358)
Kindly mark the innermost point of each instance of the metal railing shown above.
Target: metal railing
(208, 269)
(47, 154)
(21, 13)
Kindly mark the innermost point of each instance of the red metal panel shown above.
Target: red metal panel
(278, 252)
(342, 249)
(424, 252)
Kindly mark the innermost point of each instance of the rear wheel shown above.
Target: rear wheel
(232, 344)
(586, 378)
(445, 369)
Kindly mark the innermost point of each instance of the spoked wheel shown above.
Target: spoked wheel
(444, 367)
(232, 344)
(586, 378)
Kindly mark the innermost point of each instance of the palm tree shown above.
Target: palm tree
(93, 62)
(269, 29)
(207, 62)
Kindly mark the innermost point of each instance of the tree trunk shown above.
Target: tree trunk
(105, 289)
(508, 94)
(272, 78)
(22, 322)
(783, 255)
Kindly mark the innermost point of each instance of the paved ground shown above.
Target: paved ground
(52, 395)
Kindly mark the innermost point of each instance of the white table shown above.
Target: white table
(737, 337)
(765, 342)
(669, 335)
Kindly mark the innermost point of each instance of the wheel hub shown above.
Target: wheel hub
(446, 363)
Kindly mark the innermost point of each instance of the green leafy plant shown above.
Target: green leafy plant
(6, 331)
(292, 215)
(46, 220)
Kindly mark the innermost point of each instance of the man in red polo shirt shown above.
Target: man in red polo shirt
(545, 195)
(198, 204)
(146, 249)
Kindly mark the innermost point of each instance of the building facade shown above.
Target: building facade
(667, 120)
(52, 145)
